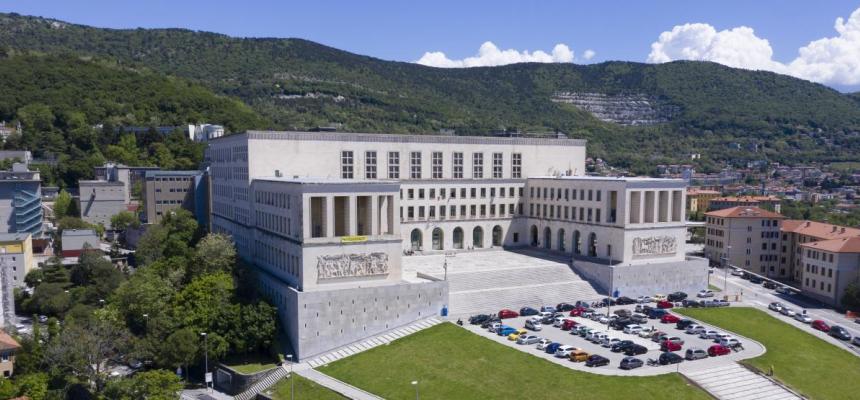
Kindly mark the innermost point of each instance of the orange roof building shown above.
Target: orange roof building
(829, 266)
(8, 347)
(770, 202)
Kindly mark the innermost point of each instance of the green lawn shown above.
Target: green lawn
(252, 363)
(305, 389)
(450, 362)
(802, 361)
(714, 288)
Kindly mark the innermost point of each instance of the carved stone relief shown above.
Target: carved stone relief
(352, 265)
(654, 245)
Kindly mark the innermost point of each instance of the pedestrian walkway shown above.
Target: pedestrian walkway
(736, 382)
(344, 389)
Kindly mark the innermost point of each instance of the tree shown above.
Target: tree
(124, 220)
(157, 384)
(83, 349)
(851, 297)
(185, 346)
(151, 245)
(248, 328)
(198, 304)
(62, 205)
(214, 253)
(34, 386)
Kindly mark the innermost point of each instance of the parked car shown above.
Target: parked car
(769, 285)
(630, 363)
(669, 358)
(579, 356)
(635, 350)
(552, 347)
(647, 332)
(624, 300)
(643, 299)
(695, 353)
(494, 327)
(608, 342)
(564, 307)
(598, 337)
(839, 332)
(516, 335)
(584, 330)
(783, 290)
(820, 325)
(568, 324)
(534, 324)
(564, 351)
(803, 317)
(694, 329)
(639, 318)
(669, 319)
(478, 319)
(720, 336)
(731, 343)
(621, 346)
(677, 296)
(669, 346)
(558, 321)
(657, 313)
(756, 280)
(856, 341)
(506, 313)
(737, 272)
(674, 339)
(708, 334)
(507, 331)
(543, 344)
(596, 360)
(633, 329)
(620, 323)
(526, 311)
(655, 337)
(528, 339)
(547, 320)
(718, 350)
(787, 312)
(658, 297)
(607, 301)
(775, 306)
(683, 324)
(705, 293)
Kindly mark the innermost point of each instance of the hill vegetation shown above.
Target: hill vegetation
(298, 84)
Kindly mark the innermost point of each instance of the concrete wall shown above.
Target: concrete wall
(688, 276)
(99, 201)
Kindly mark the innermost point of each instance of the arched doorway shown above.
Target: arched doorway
(497, 236)
(438, 239)
(415, 238)
(458, 238)
(534, 236)
(478, 237)
(577, 246)
(561, 240)
(592, 245)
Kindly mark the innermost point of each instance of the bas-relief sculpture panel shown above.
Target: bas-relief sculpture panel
(654, 245)
(352, 265)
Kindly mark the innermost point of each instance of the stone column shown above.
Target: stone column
(329, 216)
(374, 216)
(306, 218)
(352, 216)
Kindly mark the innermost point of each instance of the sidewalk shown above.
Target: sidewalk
(343, 388)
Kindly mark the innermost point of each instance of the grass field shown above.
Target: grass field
(802, 361)
(450, 362)
(252, 363)
(305, 389)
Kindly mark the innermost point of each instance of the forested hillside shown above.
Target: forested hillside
(298, 84)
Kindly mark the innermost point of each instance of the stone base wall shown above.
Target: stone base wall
(688, 276)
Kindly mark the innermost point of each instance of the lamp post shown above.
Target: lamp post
(145, 323)
(292, 386)
(206, 358)
(726, 271)
(415, 383)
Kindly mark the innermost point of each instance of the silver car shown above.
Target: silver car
(695, 354)
(806, 319)
(787, 312)
(528, 339)
(534, 325)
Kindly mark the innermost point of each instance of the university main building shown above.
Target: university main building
(327, 218)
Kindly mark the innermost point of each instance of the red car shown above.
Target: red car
(669, 346)
(506, 313)
(718, 350)
(568, 324)
(576, 312)
(669, 319)
(820, 325)
(664, 304)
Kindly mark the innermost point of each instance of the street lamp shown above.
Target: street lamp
(206, 358)
(415, 383)
(145, 323)
(726, 271)
(292, 386)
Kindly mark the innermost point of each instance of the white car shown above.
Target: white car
(543, 343)
(695, 329)
(557, 322)
(720, 336)
(730, 343)
(708, 334)
(599, 337)
(737, 272)
(787, 312)
(603, 320)
(543, 314)
(608, 342)
(647, 332)
(534, 324)
(675, 339)
(564, 351)
(643, 299)
(806, 319)
(528, 339)
(705, 293)
(494, 327)
(633, 329)
(775, 306)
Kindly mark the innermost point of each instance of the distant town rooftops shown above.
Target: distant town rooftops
(843, 245)
(818, 230)
(697, 191)
(749, 199)
(744, 212)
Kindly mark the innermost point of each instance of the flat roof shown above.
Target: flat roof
(154, 173)
(79, 232)
(310, 180)
(402, 138)
(99, 183)
(14, 236)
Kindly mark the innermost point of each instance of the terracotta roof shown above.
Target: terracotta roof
(818, 230)
(8, 342)
(844, 245)
(747, 198)
(743, 212)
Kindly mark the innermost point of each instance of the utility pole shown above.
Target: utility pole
(206, 358)
(292, 384)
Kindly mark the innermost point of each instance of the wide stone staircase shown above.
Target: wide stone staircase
(736, 382)
(273, 377)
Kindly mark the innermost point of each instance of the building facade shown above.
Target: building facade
(16, 256)
(745, 237)
(829, 266)
(168, 190)
(771, 203)
(75, 241)
(796, 233)
(21, 201)
(100, 200)
(700, 199)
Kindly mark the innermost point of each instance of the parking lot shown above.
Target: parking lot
(556, 334)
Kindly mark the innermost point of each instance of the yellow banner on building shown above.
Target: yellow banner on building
(353, 239)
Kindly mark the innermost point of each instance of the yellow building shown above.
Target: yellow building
(699, 199)
(16, 254)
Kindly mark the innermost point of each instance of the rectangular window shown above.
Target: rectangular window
(477, 165)
(497, 165)
(458, 165)
(415, 165)
(346, 164)
(437, 165)
(516, 165)
(370, 165)
(393, 165)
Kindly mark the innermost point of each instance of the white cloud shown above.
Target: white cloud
(588, 54)
(490, 55)
(833, 60)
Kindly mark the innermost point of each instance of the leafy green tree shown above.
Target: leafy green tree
(50, 299)
(198, 304)
(248, 328)
(851, 297)
(62, 205)
(82, 349)
(185, 347)
(145, 293)
(34, 386)
(157, 384)
(124, 220)
(214, 253)
(8, 389)
(151, 245)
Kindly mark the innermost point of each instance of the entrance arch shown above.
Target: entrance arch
(497, 236)
(534, 236)
(592, 244)
(415, 238)
(547, 238)
(438, 239)
(561, 240)
(478, 237)
(577, 246)
(458, 238)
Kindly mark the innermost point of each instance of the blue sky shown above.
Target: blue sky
(404, 30)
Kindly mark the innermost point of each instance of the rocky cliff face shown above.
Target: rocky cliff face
(625, 109)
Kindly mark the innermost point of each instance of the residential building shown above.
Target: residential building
(8, 348)
(771, 203)
(20, 200)
(6, 129)
(745, 237)
(131, 177)
(75, 241)
(16, 256)
(700, 199)
(798, 232)
(168, 190)
(100, 200)
(829, 266)
(326, 218)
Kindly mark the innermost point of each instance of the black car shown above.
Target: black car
(683, 324)
(622, 313)
(564, 307)
(691, 303)
(769, 285)
(630, 363)
(677, 296)
(548, 320)
(670, 358)
(643, 309)
(486, 324)
(635, 350)
(620, 323)
(526, 311)
(621, 346)
(596, 360)
(839, 332)
(478, 319)
(584, 304)
(756, 280)
(608, 301)
(624, 300)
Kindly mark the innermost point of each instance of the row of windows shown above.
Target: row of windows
(473, 211)
(568, 194)
(274, 199)
(586, 214)
(171, 179)
(812, 268)
(437, 162)
(274, 222)
(472, 193)
(817, 255)
(168, 202)
(277, 258)
(173, 190)
(821, 285)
